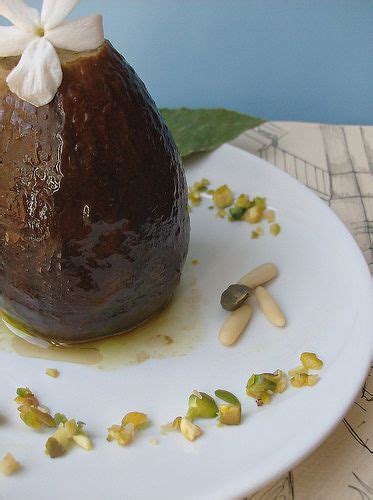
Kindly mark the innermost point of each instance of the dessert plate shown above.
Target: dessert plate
(325, 289)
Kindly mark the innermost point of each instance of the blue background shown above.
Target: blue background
(279, 59)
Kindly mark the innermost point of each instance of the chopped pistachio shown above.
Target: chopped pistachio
(221, 213)
(71, 428)
(253, 215)
(312, 380)
(236, 213)
(139, 420)
(275, 229)
(83, 441)
(54, 448)
(223, 197)
(172, 426)
(60, 418)
(230, 414)
(204, 407)
(189, 430)
(176, 423)
(260, 203)
(228, 397)
(270, 216)
(24, 392)
(311, 361)
(52, 372)
(9, 465)
(211, 207)
(195, 262)
(195, 198)
(42, 417)
(31, 420)
(210, 191)
(26, 397)
(298, 369)
(123, 435)
(243, 201)
(254, 235)
(261, 386)
(299, 380)
(62, 436)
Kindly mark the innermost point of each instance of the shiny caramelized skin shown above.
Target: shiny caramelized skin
(94, 227)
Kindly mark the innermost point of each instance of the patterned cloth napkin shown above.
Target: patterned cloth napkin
(337, 163)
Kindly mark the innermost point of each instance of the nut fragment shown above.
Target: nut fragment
(52, 372)
(139, 420)
(189, 430)
(269, 306)
(262, 385)
(253, 215)
(311, 361)
(201, 407)
(9, 465)
(259, 276)
(83, 441)
(230, 414)
(302, 379)
(234, 296)
(223, 197)
(295, 371)
(54, 448)
(275, 229)
(235, 324)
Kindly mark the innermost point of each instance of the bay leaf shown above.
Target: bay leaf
(198, 130)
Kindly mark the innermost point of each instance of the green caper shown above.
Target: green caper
(228, 397)
(234, 296)
(201, 406)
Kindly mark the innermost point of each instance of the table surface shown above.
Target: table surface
(336, 162)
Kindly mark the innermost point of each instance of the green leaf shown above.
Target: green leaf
(197, 130)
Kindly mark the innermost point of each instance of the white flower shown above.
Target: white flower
(38, 75)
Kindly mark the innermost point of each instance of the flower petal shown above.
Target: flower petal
(55, 11)
(86, 33)
(20, 14)
(13, 41)
(38, 74)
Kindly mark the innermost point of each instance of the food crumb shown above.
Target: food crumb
(52, 372)
(9, 465)
(195, 262)
(154, 441)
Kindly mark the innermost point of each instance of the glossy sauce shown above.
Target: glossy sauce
(173, 332)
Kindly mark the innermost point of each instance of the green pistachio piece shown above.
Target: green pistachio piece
(23, 392)
(44, 418)
(261, 386)
(31, 420)
(60, 418)
(201, 407)
(54, 448)
(236, 213)
(228, 397)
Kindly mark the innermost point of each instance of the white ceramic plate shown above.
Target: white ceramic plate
(325, 289)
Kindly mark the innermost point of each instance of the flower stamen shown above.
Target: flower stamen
(40, 32)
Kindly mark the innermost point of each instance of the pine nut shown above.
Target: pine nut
(269, 306)
(259, 275)
(235, 324)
